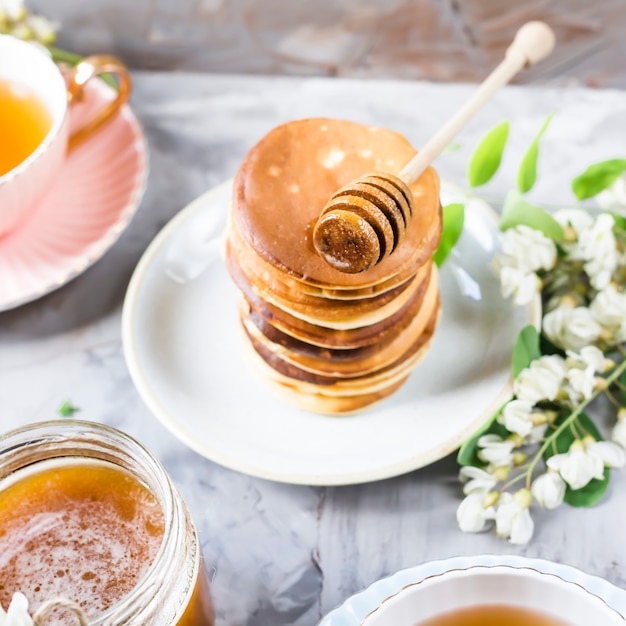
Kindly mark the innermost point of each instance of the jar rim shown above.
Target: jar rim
(161, 486)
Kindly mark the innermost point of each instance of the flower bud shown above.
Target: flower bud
(588, 440)
(491, 499)
(562, 395)
(569, 235)
(538, 419)
(518, 440)
(523, 498)
(608, 365)
(600, 383)
(621, 414)
(501, 473)
(568, 300)
(551, 416)
(606, 336)
(519, 458)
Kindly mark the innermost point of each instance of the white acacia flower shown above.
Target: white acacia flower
(536, 435)
(609, 310)
(524, 252)
(495, 450)
(571, 328)
(585, 460)
(614, 197)
(43, 30)
(541, 380)
(472, 515)
(580, 384)
(516, 417)
(529, 249)
(17, 613)
(597, 247)
(577, 219)
(582, 367)
(618, 435)
(513, 520)
(522, 284)
(612, 454)
(476, 479)
(589, 357)
(12, 9)
(549, 490)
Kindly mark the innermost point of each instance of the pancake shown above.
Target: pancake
(271, 319)
(288, 177)
(329, 405)
(259, 270)
(288, 373)
(338, 314)
(317, 398)
(346, 363)
(328, 341)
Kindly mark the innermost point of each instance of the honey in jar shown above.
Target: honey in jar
(111, 534)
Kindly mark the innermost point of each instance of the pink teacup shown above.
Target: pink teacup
(23, 64)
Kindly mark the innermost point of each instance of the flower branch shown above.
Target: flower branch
(575, 260)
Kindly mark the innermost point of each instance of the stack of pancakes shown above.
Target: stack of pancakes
(331, 342)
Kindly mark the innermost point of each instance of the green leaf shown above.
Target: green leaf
(453, 218)
(596, 488)
(597, 178)
(582, 424)
(546, 347)
(526, 349)
(67, 409)
(527, 173)
(487, 157)
(590, 493)
(517, 210)
(467, 454)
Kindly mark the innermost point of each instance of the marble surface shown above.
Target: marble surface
(281, 554)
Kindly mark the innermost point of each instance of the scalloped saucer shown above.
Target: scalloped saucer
(85, 211)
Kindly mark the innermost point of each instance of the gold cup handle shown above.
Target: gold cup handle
(84, 71)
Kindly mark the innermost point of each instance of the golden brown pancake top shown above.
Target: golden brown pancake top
(287, 178)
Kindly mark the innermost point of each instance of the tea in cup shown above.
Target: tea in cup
(34, 121)
(491, 596)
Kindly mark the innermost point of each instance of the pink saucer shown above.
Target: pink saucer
(85, 211)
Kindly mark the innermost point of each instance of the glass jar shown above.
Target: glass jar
(175, 589)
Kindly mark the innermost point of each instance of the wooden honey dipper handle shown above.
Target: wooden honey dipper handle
(359, 226)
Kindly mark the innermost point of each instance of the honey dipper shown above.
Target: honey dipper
(366, 220)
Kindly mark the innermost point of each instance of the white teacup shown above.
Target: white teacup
(24, 64)
(546, 594)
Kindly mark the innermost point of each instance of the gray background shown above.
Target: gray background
(442, 40)
(285, 555)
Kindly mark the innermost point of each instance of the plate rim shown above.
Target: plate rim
(215, 454)
(114, 232)
(354, 609)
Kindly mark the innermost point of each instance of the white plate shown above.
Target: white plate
(182, 347)
(357, 607)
